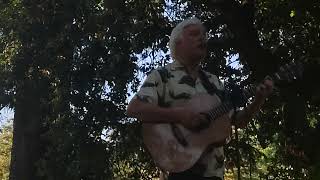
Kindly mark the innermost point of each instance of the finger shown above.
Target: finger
(269, 85)
(202, 121)
(205, 117)
(268, 78)
(269, 88)
(261, 87)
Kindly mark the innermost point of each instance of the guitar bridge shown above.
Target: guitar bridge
(178, 135)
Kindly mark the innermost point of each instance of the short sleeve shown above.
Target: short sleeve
(216, 81)
(151, 88)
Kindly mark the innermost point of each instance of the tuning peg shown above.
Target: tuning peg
(291, 74)
(277, 76)
(284, 74)
(298, 69)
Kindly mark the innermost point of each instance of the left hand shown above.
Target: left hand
(263, 90)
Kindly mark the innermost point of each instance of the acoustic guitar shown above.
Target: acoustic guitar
(175, 148)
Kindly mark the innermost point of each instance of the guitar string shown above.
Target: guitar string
(250, 91)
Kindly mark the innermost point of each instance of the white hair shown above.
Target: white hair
(177, 33)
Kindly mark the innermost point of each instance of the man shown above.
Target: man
(177, 82)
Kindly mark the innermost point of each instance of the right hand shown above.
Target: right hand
(222, 129)
(192, 120)
(196, 121)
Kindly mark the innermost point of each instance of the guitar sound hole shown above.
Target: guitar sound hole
(178, 135)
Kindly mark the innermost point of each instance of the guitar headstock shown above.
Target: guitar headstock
(288, 72)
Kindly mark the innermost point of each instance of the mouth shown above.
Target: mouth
(202, 45)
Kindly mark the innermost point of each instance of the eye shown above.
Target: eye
(194, 33)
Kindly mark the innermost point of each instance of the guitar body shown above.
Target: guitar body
(168, 152)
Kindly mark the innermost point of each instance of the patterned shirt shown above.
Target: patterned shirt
(172, 85)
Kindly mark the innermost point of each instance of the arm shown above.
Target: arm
(144, 106)
(242, 118)
(151, 113)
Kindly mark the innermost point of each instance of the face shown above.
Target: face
(192, 45)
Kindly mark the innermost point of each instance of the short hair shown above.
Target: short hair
(177, 33)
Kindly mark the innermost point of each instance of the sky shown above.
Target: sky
(5, 115)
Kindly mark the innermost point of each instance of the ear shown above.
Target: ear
(179, 41)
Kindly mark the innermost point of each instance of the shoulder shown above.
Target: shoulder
(214, 79)
(164, 72)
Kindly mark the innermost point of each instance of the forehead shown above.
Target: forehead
(194, 27)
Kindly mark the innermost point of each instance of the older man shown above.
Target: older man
(179, 81)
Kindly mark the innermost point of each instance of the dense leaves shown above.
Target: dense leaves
(5, 149)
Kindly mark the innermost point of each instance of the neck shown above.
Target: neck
(191, 68)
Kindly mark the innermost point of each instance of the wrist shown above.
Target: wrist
(176, 113)
(258, 102)
(253, 107)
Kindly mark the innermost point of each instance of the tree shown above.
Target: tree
(64, 61)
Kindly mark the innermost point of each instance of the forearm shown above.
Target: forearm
(150, 113)
(242, 118)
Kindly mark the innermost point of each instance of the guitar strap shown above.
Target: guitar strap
(210, 87)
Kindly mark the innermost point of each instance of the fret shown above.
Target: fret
(214, 114)
(211, 115)
(214, 111)
(246, 94)
(292, 74)
(230, 106)
(252, 90)
(275, 76)
(225, 108)
(219, 110)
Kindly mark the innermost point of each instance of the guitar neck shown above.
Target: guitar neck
(220, 110)
(288, 72)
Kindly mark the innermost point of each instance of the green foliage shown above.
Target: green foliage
(79, 56)
(5, 149)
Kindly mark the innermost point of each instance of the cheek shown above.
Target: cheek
(187, 46)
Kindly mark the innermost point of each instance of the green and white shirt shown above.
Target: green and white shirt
(172, 85)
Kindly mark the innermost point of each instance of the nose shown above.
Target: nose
(203, 39)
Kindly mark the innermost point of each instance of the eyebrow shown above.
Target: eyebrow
(202, 29)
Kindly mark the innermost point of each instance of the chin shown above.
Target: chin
(200, 57)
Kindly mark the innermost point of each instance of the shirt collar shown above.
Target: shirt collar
(176, 65)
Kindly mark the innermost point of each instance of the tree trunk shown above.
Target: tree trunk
(26, 140)
(238, 153)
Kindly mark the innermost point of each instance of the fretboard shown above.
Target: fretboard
(288, 72)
